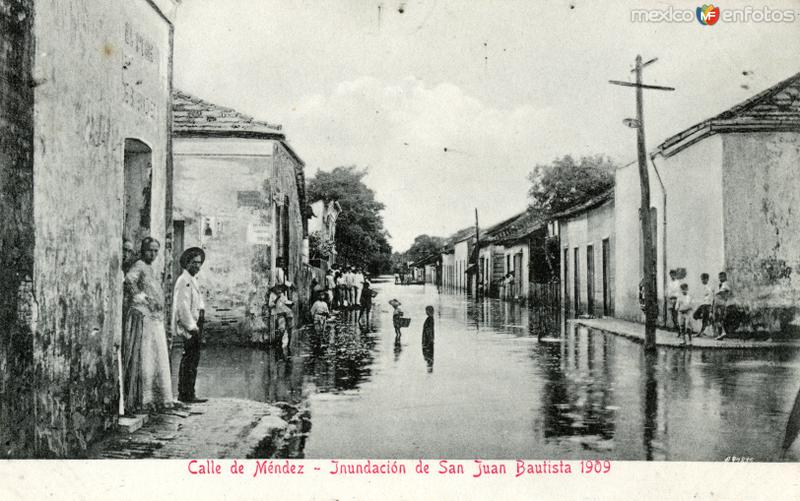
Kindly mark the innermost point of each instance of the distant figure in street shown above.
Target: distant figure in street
(320, 313)
(428, 327)
(330, 286)
(350, 282)
(397, 316)
(188, 318)
(721, 298)
(365, 303)
(358, 284)
(397, 279)
(338, 293)
(147, 382)
(672, 293)
(703, 311)
(128, 255)
(428, 338)
(684, 306)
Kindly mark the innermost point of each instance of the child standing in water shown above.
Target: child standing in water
(397, 315)
(427, 328)
(683, 305)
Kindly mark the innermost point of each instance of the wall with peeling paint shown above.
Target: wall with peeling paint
(762, 227)
(227, 193)
(17, 305)
(102, 74)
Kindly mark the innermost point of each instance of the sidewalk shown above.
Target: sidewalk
(635, 331)
(218, 429)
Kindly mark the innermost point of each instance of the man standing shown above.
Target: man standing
(350, 282)
(358, 285)
(721, 298)
(330, 285)
(188, 317)
(128, 255)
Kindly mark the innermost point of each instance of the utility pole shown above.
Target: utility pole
(649, 264)
(477, 255)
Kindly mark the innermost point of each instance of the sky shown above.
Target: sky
(450, 104)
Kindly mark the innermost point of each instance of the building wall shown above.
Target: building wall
(448, 270)
(239, 210)
(589, 228)
(521, 282)
(693, 236)
(82, 117)
(762, 227)
(461, 258)
(17, 304)
(694, 226)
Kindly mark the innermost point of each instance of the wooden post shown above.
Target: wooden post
(649, 264)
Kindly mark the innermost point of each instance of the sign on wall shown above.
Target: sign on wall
(259, 234)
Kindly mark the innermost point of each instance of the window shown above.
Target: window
(577, 277)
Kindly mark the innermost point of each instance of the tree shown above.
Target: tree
(361, 239)
(564, 183)
(424, 246)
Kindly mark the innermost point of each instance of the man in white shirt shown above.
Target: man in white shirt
(188, 317)
(350, 282)
(358, 284)
(672, 293)
(721, 298)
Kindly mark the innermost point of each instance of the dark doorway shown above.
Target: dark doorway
(566, 282)
(590, 279)
(177, 248)
(608, 302)
(577, 285)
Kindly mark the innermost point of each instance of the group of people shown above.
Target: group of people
(146, 382)
(712, 309)
(343, 289)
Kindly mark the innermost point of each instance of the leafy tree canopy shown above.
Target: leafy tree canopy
(564, 182)
(424, 246)
(361, 239)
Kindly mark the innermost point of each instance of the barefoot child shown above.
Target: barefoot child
(397, 315)
(683, 305)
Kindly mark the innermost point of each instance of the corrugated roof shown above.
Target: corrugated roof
(775, 109)
(194, 116)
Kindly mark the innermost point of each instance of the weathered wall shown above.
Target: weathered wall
(694, 230)
(762, 227)
(584, 229)
(17, 303)
(102, 74)
(233, 184)
(693, 236)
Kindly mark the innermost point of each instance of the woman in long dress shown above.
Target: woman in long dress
(148, 385)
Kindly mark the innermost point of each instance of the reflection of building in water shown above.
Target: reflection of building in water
(577, 396)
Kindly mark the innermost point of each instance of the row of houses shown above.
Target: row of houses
(724, 197)
(95, 147)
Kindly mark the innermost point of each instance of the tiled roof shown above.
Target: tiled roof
(525, 224)
(775, 109)
(587, 204)
(194, 116)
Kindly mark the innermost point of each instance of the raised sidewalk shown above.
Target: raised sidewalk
(635, 332)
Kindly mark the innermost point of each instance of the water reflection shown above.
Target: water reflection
(511, 381)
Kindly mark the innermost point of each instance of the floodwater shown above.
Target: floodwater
(491, 389)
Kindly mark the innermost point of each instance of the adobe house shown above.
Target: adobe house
(84, 160)
(240, 195)
(724, 196)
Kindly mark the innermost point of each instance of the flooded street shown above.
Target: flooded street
(490, 389)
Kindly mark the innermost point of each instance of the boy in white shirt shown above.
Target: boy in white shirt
(703, 312)
(673, 291)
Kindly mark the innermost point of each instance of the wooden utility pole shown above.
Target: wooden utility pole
(649, 265)
(477, 254)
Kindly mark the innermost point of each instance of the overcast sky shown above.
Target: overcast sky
(502, 85)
